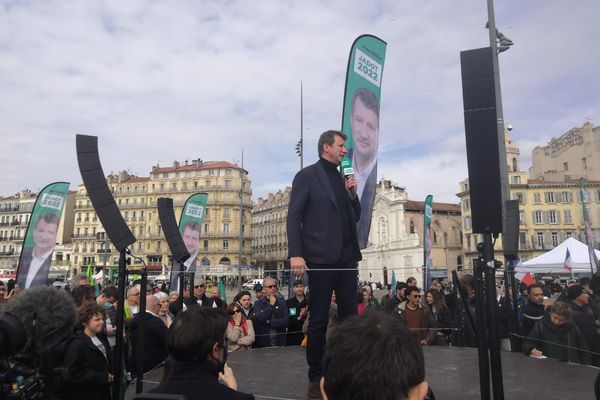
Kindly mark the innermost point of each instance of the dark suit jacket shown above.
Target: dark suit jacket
(363, 226)
(41, 278)
(155, 342)
(314, 222)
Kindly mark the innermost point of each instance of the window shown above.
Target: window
(554, 239)
(521, 217)
(467, 223)
(468, 244)
(516, 179)
(226, 229)
(568, 217)
(567, 197)
(174, 186)
(538, 217)
(584, 163)
(540, 239)
(206, 245)
(205, 229)
(518, 196)
(225, 244)
(522, 240)
(549, 197)
(227, 183)
(466, 206)
(184, 186)
(554, 216)
(566, 166)
(226, 212)
(158, 246)
(568, 234)
(537, 198)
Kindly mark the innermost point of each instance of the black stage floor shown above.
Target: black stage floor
(452, 373)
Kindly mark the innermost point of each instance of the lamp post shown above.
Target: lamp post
(101, 235)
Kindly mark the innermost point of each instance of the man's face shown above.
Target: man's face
(437, 286)
(336, 151)
(215, 293)
(537, 295)
(96, 323)
(198, 290)
(411, 282)
(583, 298)
(270, 287)
(44, 236)
(134, 297)
(400, 293)
(557, 319)
(414, 298)
(245, 301)
(191, 238)
(365, 131)
(299, 290)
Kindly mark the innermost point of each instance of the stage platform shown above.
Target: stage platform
(452, 373)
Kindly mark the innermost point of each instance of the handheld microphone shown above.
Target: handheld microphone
(347, 170)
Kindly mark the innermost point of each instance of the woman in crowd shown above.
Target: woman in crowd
(556, 336)
(173, 296)
(163, 314)
(240, 332)
(88, 358)
(441, 313)
(244, 298)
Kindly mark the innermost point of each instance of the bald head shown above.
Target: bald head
(151, 301)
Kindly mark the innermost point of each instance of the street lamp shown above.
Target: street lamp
(101, 235)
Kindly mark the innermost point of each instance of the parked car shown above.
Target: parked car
(251, 283)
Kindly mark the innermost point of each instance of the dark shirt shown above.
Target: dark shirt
(337, 184)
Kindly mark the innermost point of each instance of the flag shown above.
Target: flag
(360, 122)
(427, 241)
(221, 287)
(40, 238)
(568, 262)
(92, 279)
(393, 281)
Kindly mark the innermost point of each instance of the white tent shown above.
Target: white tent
(554, 260)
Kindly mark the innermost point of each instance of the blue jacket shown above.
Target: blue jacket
(266, 317)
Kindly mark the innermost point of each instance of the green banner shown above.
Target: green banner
(190, 226)
(360, 122)
(427, 241)
(589, 234)
(40, 238)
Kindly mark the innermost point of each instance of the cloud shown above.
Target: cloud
(160, 81)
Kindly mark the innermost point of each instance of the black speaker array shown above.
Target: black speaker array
(102, 199)
(485, 160)
(510, 236)
(171, 230)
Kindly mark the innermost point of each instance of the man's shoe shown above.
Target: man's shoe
(314, 391)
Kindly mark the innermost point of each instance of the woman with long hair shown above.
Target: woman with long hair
(436, 304)
(240, 332)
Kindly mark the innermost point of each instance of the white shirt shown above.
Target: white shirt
(35, 266)
(362, 177)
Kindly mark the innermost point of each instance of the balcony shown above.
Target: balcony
(9, 209)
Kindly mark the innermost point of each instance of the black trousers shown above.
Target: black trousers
(322, 281)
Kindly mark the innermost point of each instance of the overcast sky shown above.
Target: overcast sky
(159, 81)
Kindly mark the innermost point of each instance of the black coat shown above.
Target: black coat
(155, 342)
(585, 321)
(295, 334)
(190, 302)
(530, 314)
(314, 222)
(198, 381)
(88, 369)
(41, 277)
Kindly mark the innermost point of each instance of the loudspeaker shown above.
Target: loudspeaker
(510, 236)
(171, 230)
(486, 152)
(95, 183)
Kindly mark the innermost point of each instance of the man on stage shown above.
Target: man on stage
(322, 238)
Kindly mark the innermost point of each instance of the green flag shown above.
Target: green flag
(360, 123)
(427, 242)
(221, 287)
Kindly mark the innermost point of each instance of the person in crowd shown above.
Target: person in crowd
(373, 303)
(437, 285)
(416, 317)
(3, 293)
(163, 313)
(155, 336)
(555, 336)
(84, 295)
(594, 301)
(386, 297)
(434, 301)
(78, 280)
(173, 296)
(240, 331)
(411, 281)
(391, 305)
(197, 347)
(465, 334)
(534, 310)
(132, 302)
(88, 358)
(270, 317)
(244, 299)
(506, 319)
(107, 299)
(583, 316)
(365, 303)
(216, 296)
(200, 294)
(258, 291)
(348, 364)
(298, 311)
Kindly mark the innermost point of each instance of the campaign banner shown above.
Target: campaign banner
(40, 237)
(190, 226)
(589, 234)
(360, 122)
(427, 242)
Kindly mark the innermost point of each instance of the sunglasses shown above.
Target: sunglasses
(416, 296)
(198, 286)
(234, 312)
(271, 286)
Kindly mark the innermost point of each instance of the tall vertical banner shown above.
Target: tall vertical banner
(589, 234)
(427, 242)
(190, 226)
(40, 238)
(360, 123)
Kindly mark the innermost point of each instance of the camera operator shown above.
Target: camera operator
(197, 346)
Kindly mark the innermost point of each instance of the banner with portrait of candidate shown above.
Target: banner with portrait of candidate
(40, 237)
(190, 225)
(360, 122)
